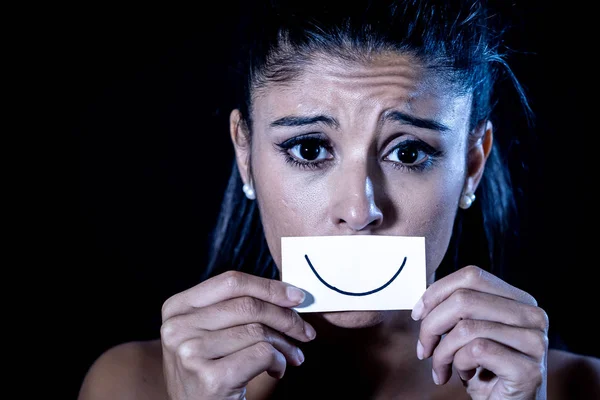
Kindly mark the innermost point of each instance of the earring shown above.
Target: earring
(249, 192)
(466, 200)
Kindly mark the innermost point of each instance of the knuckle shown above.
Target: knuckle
(529, 299)
(169, 334)
(545, 342)
(533, 301)
(462, 297)
(257, 331)
(292, 321)
(165, 311)
(233, 280)
(544, 319)
(472, 273)
(441, 356)
(465, 328)
(270, 288)
(249, 306)
(479, 347)
(426, 330)
(186, 353)
(265, 350)
(426, 301)
(437, 360)
(539, 318)
(540, 344)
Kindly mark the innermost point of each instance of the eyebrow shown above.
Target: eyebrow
(395, 116)
(292, 121)
(425, 123)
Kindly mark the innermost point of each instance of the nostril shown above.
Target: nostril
(355, 207)
(358, 222)
(375, 223)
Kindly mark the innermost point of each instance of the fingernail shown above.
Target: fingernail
(309, 331)
(420, 350)
(435, 377)
(417, 310)
(294, 294)
(300, 356)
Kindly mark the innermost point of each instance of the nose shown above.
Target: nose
(353, 206)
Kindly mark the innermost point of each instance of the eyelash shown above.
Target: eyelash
(432, 156)
(285, 147)
(289, 144)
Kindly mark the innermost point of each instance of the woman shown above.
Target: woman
(373, 120)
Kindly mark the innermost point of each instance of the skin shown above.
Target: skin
(234, 335)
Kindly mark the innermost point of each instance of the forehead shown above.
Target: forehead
(359, 89)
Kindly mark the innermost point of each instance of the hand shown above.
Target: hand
(493, 334)
(220, 334)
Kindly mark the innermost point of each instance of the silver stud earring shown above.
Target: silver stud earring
(466, 200)
(249, 191)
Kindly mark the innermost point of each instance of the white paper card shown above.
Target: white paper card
(350, 273)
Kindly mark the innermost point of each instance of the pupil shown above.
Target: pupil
(309, 151)
(408, 156)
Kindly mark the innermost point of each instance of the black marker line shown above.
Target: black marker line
(352, 293)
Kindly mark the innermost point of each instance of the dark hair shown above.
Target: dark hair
(454, 38)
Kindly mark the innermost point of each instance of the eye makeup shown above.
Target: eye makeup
(314, 151)
(299, 150)
(412, 155)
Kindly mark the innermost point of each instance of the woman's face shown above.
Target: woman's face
(360, 149)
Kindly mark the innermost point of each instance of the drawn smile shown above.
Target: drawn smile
(353, 293)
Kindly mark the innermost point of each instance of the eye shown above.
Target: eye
(409, 153)
(307, 151)
(310, 150)
(413, 155)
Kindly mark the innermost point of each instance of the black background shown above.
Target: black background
(140, 153)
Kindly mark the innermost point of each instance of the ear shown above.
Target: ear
(480, 146)
(240, 137)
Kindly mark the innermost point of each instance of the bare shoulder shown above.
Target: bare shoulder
(128, 371)
(573, 376)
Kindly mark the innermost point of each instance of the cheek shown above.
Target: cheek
(437, 227)
(289, 204)
(425, 204)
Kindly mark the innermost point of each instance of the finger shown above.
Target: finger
(241, 367)
(511, 366)
(531, 342)
(219, 344)
(470, 277)
(233, 372)
(212, 321)
(230, 285)
(469, 304)
(247, 310)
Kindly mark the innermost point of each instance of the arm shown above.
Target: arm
(573, 376)
(127, 371)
